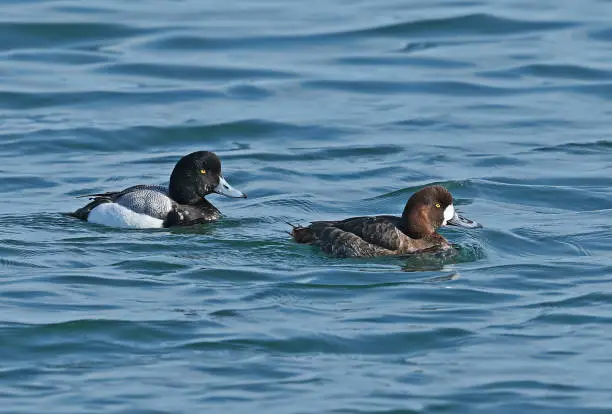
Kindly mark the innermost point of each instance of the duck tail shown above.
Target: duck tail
(98, 195)
(83, 212)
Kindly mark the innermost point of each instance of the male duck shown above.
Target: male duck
(149, 206)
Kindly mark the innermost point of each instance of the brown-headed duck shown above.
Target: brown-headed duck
(415, 231)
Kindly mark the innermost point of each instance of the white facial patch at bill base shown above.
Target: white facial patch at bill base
(449, 213)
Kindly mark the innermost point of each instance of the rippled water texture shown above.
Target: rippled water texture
(318, 110)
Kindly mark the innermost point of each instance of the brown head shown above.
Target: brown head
(429, 209)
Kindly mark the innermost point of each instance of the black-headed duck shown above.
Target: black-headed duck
(150, 206)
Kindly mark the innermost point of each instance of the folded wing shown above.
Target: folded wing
(357, 236)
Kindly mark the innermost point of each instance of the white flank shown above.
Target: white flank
(115, 215)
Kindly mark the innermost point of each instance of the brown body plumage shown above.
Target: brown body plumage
(415, 231)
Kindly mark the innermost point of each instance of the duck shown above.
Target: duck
(181, 203)
(415, 231)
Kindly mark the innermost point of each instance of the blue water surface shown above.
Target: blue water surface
(319, 110)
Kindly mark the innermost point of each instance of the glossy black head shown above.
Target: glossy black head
(430, 208)
(197, 175)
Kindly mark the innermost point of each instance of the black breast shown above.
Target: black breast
(186, 215)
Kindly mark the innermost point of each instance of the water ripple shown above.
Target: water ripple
(315, 117)
(22, 35)
(455, 89)
(185, 72)
(471, 24)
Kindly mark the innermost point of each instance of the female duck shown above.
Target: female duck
(149, 206)
(415, 231)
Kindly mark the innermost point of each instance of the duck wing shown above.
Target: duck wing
(114, 195)
(381, 231)
(357, 236)
(151, 200)
(148, 200)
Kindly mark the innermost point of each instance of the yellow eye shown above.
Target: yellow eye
(203, 171)
(437, 205)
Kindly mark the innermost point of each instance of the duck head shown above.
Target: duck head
(198, 174)
(429, 209)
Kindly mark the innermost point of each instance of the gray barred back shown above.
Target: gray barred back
(150, 200)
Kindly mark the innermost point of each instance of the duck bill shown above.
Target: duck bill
(227, 190)
(461, 221)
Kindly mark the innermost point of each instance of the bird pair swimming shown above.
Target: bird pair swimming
(198, 174)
